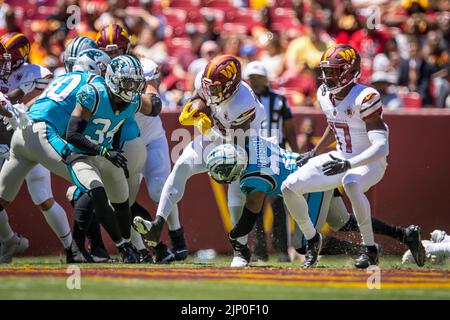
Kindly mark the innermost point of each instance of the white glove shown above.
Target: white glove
(19, 117)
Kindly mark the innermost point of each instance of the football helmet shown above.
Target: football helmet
(125, 77)
(92, 60)
(18, 46)
(113, 38)
(226, 162)
(74, 48)
(340, 66)
(5, 62)
(221, 78)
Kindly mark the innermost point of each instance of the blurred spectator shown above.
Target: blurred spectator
(347, 22)
(232, 44)
(208, 51)
(273, 57)
(304, 138)
(186, 56)
(441, 83)
(8, 20)
(389, 61)
(415, 72)
(211, 33)
(390, 99)
(305, 51)
(150, 46)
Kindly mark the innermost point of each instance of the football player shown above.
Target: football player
(23, 82)
(41, 142)
(437, 249)
(101, 110)
(354, 115)
(261, 169)
(232, 106)
(74, 48)
(114, 40)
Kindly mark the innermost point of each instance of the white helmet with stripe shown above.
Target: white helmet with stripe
(92, 60)
(74, 48)
(226, 162)
(125, 77)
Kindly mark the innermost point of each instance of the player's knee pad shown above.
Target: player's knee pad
(352, 188)
(155, 186)
(39, 186)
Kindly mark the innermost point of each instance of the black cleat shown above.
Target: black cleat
(413, 242)
(77, 255)
(368, 257)
(150, 230)
(179, 246)
(313, 249)
(145, 256)
(128, 253)
(163, 254)
(99, 255)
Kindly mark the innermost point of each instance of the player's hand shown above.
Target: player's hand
(117, 158)
(189, 115)
(203, 124)
(336, 166)
(4, 102)
(303, 158)
(19, 117)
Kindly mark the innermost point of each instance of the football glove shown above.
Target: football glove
(117, 158)
(336, 166)
(19, 118)
(304, 157)
(187, 117)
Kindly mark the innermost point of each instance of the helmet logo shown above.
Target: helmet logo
(229, 71)
(348, 54)
(25, 50)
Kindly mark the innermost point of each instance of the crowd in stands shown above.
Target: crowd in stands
(404, 45)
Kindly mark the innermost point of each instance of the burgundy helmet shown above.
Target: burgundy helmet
(340, 65)
(18, 46)
(221, 78)
(113, 38)
(5, 62)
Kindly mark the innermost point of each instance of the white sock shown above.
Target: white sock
(173, 220)
(298, 207)
(6, 232)
(136, 240)
(438, 249)
(57, 219)
(235, 215)
(361, 209)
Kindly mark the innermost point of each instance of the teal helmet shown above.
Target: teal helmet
(226, 162)
(92, 60)
(125, 77)
(73, 49)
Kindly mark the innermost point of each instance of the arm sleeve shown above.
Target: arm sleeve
(379, 149)
(76, 138)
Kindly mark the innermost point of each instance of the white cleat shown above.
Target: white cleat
(238, 262)
(438, 236)
(17, 244)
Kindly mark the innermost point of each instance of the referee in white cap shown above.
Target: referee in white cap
(278, 124)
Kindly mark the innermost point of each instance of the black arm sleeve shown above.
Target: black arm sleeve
(156, 104)
(117, 139)
(75, 137)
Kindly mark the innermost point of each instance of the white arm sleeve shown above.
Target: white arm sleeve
(379, 149)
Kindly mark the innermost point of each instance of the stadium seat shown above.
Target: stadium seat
(186, 5)
(412, 100)
(176, 18)
(284, 3)
(224, 5)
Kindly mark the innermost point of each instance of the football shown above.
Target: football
(201, 106)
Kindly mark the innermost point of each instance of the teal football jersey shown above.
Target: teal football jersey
(130, 130)
(268, 166)
(56, 103)
(104, 121)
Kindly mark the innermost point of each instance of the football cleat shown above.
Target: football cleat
(163, 254)
(128, 253)
(313, 249)
(149, 230)
(145, 256)
(367, 258)
(179, 246)
(241, 255)
(438, 236)
(74, 254)
(13, 246)
(412, 241)
(99, 255)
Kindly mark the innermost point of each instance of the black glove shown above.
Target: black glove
(117, 158)
(304, 157)
(336, 166)
(237, 246)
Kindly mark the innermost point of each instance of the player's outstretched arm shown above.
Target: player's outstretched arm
(151, 104)
(77, 124)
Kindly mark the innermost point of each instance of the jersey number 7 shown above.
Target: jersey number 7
(348, 140)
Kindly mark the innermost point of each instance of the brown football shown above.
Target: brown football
(201, 106)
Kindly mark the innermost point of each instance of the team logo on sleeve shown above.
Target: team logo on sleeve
(369, 97)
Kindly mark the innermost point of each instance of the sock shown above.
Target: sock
(245, 224)
(123, 216)
(6, 232)
(57, 219)
(136, 240)
(380, 227)
(139, 211)
(298, 207)
(235, 214)
(173, 220)
(105, 214)
(94, 233)
(361, 209)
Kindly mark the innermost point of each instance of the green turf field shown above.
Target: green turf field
(46, 278)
